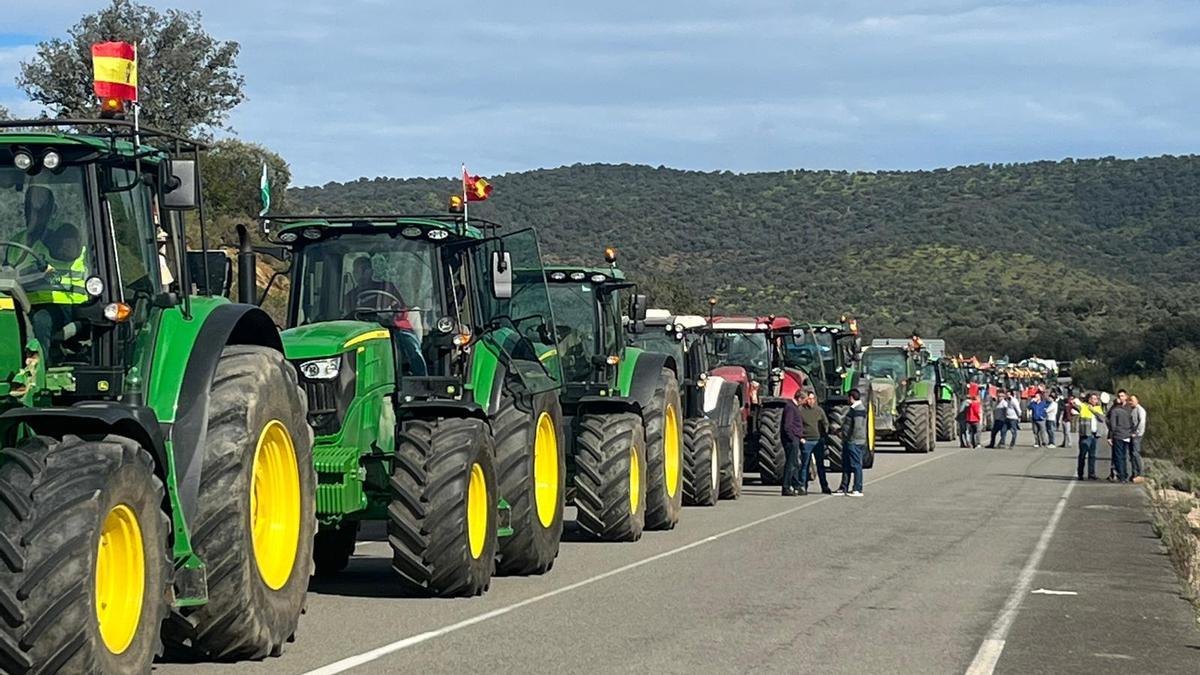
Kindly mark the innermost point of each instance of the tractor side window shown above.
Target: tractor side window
(135, 234)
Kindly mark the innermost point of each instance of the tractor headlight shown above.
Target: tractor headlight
(23, 160)
(321, 369)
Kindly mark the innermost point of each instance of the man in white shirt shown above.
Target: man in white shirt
(1139, 430)
(999, 419)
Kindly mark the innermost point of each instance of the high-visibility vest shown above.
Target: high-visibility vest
(65, 285)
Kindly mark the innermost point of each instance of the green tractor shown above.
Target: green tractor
(156, 481)
(951, 389)
(433, 409)
(831, 355)
(622, 404)
(904, 399)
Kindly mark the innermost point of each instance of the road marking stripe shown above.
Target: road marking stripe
(380, 652)
(989, 652)
(1050, 591)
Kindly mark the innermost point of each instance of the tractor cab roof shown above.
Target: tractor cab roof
(435, 228)
(107, 137)
(664, 317)
(834, 329)
(751, 324)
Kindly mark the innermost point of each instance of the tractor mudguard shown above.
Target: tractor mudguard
(431, 408)
(99, 418)
(724, 397)
(227, 324)
(772, 401)
(646, 372)
(607, 404)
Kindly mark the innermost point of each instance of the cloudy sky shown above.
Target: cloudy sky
(354, 88)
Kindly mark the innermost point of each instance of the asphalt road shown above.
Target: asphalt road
(956, 560)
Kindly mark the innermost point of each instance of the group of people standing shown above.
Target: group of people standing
(806, 432)
(1123, 425)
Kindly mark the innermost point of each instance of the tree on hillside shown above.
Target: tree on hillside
(231, 173)
(4, 114)
(187, 80)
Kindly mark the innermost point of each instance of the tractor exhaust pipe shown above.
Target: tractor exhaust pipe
(247, 275)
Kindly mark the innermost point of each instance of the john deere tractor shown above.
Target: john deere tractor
(433, 410)
(713, 432)
(622, 405)
(951, 388)
(904, 399)
(831, 355)
(156, 479)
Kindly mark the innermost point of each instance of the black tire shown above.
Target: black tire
(946, 421)
(914, 427)
(611, 506)
(245, 618)
(333, 548)
(664, 492)
(55, 497)
(534, 544)
(428, 523)
(771, 455)
(732, 444)
(834, 443)
(701, 463)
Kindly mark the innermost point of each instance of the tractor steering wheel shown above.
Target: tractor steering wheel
(28, 251)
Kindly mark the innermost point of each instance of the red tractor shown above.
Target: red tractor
(748, 350)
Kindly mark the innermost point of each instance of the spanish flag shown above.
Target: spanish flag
(475, 188)
(114, 68)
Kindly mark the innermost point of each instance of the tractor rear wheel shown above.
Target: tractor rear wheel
(532, 470)
(701, 463)
(442, 518)
(771, 455)
(84, 573)
(945, 420)
(731, 445)
(255, 520)
(610, 470)
(663, 417)
(333, 547)
(914, 427)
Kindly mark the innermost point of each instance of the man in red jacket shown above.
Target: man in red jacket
(973, 416)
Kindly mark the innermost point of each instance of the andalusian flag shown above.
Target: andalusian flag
(475, 188)
(114, 69)
(264, 186)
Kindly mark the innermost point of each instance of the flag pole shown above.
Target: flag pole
(466, 215)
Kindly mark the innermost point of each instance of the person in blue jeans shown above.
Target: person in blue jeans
(855, 431)
(816, 425)
(1037, 415)
(1089, 433)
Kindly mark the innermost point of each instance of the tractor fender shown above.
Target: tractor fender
(772, 401)
(646, 372)
(792, 382)
(434, 408)
(724, 399)
(601, 405)
(136, 423)
(227, 324)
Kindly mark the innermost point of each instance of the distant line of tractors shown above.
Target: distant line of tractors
(175, 467)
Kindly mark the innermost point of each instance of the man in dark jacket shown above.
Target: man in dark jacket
(1121, 429)
(855, 431)
(817, 425)
(793, 440)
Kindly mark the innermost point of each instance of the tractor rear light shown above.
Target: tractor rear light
(117, 312)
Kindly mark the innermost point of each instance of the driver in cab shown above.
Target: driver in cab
(371, 295)
(53, 296)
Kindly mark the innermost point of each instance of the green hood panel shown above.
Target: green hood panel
(329, 338)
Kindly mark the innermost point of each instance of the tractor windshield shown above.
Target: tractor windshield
(749, 350)
(660, 342)
(808, 350)
(368, 278)
(575, 311)
(891, 364)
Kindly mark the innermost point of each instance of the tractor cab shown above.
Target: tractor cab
(758, 345)
(829, 353)
(683, 339)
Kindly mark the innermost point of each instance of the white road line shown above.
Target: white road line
(989, 652)
(380, 652)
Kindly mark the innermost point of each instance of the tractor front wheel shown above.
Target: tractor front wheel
(771, 455)
(701, 463)
(610, 476)
(532, 471)
(945, 420)
(442, 520)
(663, 417)
(834, 441)
(255, 520)
(84, 574)
(914, 427)
(731, 445)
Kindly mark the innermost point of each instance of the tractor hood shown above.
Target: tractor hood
(328, 338)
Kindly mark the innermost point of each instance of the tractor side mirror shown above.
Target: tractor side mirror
(180, 189)
(211, 272)
(502, 276)
(638, 305)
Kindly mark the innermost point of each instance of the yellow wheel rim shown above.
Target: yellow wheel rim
(275, 505)
(671, 450)
(871, 426)
(477, 511)
(120, 578)
(635, 480)
(545, 470)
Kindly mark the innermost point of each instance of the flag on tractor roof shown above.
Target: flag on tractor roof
(476, 189)
(264, 187)
(114, 70)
